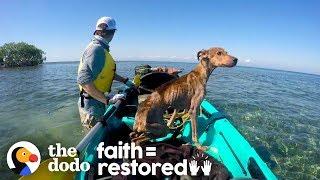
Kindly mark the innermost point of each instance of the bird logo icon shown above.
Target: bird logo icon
(23, 158)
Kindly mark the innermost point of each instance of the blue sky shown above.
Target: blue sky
(271, 34)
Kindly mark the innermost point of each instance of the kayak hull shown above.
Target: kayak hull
(215, 131)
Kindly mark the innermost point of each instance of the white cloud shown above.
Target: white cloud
(247, 60)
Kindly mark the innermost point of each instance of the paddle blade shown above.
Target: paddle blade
(43, 172)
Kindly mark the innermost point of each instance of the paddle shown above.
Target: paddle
(43, 173)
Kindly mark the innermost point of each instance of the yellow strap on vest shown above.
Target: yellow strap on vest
(104, 79)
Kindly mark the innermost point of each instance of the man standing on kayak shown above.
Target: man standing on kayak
(97, 70)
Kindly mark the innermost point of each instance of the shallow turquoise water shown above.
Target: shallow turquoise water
(277, 111)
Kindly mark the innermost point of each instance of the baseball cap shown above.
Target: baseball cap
(108, 21)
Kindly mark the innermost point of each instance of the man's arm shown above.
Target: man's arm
(95, 93)
(124, 81)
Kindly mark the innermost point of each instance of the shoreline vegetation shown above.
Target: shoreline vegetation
(20, 54)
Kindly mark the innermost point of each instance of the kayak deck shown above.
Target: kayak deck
(224, 143)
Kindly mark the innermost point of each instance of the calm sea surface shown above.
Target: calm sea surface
(277, 111)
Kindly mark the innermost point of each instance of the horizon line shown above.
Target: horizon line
(191, 62)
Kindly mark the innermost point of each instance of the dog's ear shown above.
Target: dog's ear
(202, 54)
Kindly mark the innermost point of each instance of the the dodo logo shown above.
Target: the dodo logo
(23, 158)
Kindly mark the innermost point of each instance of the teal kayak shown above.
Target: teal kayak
(223, 140)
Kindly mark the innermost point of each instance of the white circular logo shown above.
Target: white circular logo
(23, 158)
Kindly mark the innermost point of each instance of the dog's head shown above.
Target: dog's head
(218, 57)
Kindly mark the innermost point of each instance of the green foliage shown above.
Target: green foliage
(20, 54)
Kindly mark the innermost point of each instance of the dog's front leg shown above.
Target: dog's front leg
(193, 118)
(194, 110)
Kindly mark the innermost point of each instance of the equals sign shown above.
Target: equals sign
(151, 151)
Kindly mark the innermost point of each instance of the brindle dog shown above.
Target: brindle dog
(186, 92)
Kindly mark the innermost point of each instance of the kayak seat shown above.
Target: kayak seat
(151, 81)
